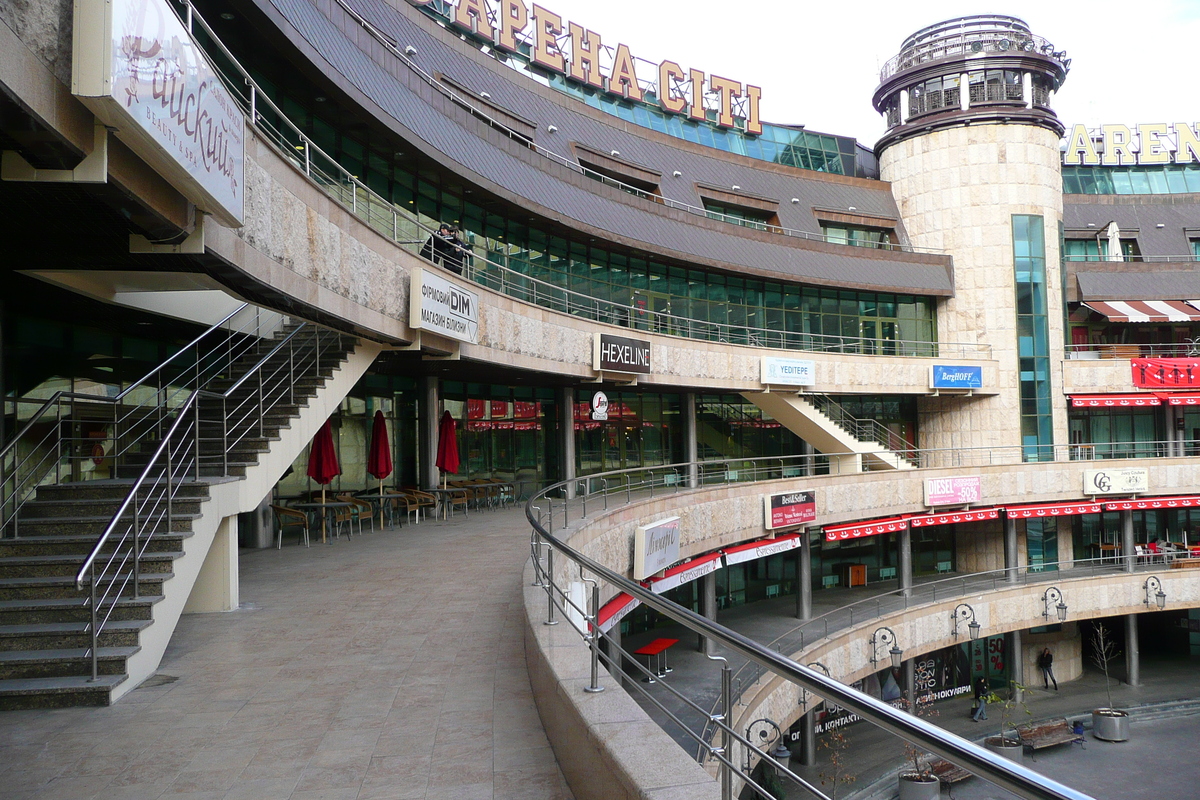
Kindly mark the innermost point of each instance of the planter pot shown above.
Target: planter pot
(914, 788)
(1110, 724)
(1012, 749)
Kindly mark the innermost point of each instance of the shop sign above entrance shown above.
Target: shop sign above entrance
(788, 371)
(619, 354)
(137, 68)
(1129, 480)
(600, 406)
(952, 376)
(442, 307)
(952, 491)
(789, 508)
(655, 547)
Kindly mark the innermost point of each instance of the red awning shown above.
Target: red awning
(1053, 510)
(1114, 400)
(1185, 501)
(1182, 398)
(950, 518)
(1145, 310)
(876, 527)
(615, 610)
(761, 548)
(686, 572)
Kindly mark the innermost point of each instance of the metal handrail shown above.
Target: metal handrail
(396, 221)
(865, 430)
(1007, 774)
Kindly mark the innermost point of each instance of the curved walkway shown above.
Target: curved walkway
(388, 666)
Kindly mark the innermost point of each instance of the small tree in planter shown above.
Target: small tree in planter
(837, 745)
(1110, 724)
(917, 779)
(1005, 745)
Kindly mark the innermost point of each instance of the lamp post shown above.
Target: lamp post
(1052, 595)
(1159, 597)
(964, 611)
(816, 665)
(763, 728)
(885, 636)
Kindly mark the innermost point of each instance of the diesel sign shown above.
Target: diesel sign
(618, 354)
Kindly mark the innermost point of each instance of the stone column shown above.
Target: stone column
(429, 406)
(810, 466)
(691, 447)
(909, 671)
(1011, 558)
(804, 576)
(708, 607)
(1133, 671)
(904, 546)
(566, 443)
(1127, 552)
(1018, 660)
(808, 739)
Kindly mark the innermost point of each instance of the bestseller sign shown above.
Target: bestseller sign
(789, 508)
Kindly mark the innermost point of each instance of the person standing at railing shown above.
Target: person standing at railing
(446, 249)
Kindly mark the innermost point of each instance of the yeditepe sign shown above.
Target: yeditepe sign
(137, 68)
(788, 371)
(442, 307)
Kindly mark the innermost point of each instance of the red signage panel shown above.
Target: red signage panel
(1166, 373)
(790, 508)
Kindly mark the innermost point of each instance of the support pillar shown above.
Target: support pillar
(1011, 559)
(1133, 659)
(810, 465)
(909, 670)
(708, 608)
(429, 407)
(808, 739)
(566, 444)
(216, 586)
(691, 446)
(904, 546)
(1127, 553)
(614, 651)
(804, 576)
(1017, 658)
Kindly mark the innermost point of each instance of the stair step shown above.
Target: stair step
(62, 635)
(86, 490)
(41, 509)
(63, 662)
(56, 586)
(47, 565)
(29, 693)
(71, 609)
(83, 528)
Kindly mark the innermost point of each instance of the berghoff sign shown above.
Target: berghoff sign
(618, 354)
(1120, 145)
(1130, 480)
(579, 55)
(655, 547)
(442, 307)
(137, 69)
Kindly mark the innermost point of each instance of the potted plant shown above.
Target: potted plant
(917, 780)
(1007, 745)
(1110, 724)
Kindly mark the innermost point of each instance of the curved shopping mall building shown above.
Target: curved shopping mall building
(966, 347)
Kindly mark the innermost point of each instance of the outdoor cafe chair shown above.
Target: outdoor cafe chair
(289, 517)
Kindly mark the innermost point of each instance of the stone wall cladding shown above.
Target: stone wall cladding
(957, 190)
(46, 27)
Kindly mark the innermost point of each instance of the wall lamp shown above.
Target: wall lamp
(410, 51)
(963, 612)
(1159, 597)
(758, 734)
(818, 666)
(882, 637)
(1050, 596)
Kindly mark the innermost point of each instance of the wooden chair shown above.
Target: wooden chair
(285, 517)
(419, 502)
(361, 510)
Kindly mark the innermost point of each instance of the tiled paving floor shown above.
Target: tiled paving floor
(388, 666)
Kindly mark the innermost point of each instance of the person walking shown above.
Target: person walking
(1045, 663)
(981, 694)
(445, 248)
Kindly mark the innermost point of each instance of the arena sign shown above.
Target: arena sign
(579, 55)
(136, 67)
(1120, 145)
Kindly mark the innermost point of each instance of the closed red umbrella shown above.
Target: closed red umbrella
(447, 452)
(379, 457)
(323, 463)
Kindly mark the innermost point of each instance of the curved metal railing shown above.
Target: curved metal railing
(1007, 774)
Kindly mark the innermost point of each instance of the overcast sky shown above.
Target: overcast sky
(818, 61)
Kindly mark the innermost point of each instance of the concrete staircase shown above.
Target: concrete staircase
(45, 639)
(855, 443)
